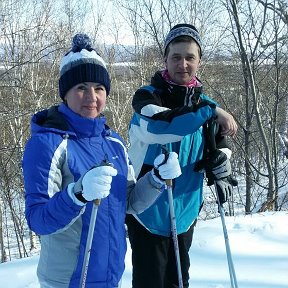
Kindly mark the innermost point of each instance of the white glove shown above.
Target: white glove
(169, 169)
(95, 184)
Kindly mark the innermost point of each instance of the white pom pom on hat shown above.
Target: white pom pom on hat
(82, 64)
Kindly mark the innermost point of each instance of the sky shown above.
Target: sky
(259, 249)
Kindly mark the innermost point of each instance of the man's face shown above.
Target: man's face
(182, 61)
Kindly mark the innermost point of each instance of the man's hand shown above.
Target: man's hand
(216, 165)
(224, 188)
(166, 167)
(226, 121)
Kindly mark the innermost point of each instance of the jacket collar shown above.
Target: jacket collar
(173, 95)
(83, 127)
(61, 119)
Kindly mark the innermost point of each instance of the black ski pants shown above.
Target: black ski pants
(153, 257)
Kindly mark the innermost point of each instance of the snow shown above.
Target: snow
(258, 242)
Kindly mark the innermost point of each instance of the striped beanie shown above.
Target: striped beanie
(82, 64)
(183, 30)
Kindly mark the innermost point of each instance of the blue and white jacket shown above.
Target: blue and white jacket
(173, 116)
(64, 146)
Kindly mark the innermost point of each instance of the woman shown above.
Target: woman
(74, 158)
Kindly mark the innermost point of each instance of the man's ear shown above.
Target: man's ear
(199, 64)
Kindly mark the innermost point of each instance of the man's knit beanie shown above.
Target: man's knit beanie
(82, 64)
(183, 30)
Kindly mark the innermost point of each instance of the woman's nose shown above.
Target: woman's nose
(92, 94)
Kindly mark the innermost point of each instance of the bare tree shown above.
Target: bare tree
(244, 68)
(149, 21)
(31, 44)
(262, 101)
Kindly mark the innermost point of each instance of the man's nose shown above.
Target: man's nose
(183, 63)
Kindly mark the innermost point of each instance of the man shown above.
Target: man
(171, 111)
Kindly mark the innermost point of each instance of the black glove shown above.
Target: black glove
(216, 165)
(224, 188)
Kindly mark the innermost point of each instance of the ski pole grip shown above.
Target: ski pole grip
(168, 182)
(97, 202)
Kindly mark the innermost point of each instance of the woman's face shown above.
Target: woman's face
(182, 61)
(87, 99)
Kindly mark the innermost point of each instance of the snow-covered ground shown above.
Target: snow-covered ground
(259, 246)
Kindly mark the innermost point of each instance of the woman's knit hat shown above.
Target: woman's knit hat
(183, 30)
(82, 64)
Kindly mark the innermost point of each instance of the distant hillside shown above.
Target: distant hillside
(120, 53)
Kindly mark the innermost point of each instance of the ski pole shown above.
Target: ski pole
(212, 147)
(90, 235)
(84, 271)
(232, 274)
(173, 223)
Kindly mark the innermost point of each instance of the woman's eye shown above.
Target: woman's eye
(81, 87)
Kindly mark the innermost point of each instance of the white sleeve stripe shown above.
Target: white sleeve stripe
(53, 167)
(151, 109)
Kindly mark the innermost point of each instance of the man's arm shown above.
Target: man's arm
(227, 122)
